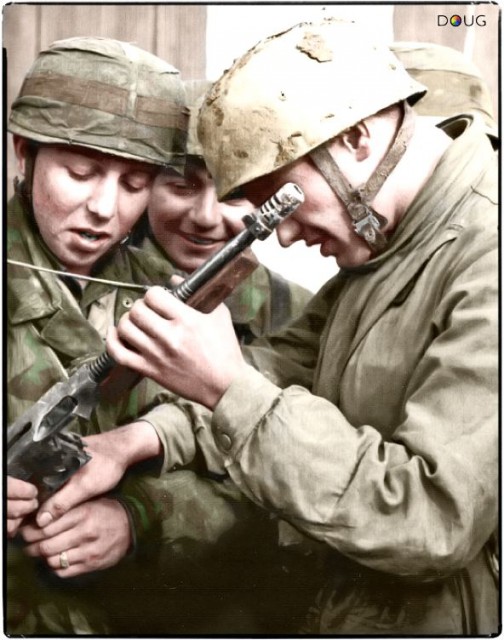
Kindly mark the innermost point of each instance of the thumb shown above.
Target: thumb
(58, 504)
(176, 280)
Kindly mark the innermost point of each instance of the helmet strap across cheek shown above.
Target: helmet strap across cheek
(367, 223)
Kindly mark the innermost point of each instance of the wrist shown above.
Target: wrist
(136, 442)
(130, 515)
(220, 387)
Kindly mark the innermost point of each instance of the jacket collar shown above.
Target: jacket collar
(430, 222)
(467, 156)
(38, 297)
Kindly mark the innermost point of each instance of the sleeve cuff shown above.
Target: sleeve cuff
(143, 512)
(248, 399)
(173, 427)
(132, 520)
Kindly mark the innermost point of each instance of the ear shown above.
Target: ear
(356, 141)
(21, 151)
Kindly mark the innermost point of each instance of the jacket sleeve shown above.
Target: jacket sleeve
(182, 426)
(421, 503)
(150, 493)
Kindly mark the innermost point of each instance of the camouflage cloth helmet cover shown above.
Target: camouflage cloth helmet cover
(455, 84)
(292, 92)
(106, 95)
(195, 93)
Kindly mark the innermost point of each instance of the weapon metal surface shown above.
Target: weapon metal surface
(37, 450)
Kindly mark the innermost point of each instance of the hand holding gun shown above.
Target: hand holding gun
(39, 451)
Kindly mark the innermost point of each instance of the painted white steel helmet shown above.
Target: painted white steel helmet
(291, 93)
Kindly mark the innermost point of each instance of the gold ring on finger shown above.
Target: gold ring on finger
(63, 560)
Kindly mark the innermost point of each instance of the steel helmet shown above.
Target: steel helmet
(105, 95)
(292, 92)
(195, 91)
(455, 84)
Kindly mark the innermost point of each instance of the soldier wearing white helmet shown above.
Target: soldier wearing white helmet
(371, 423)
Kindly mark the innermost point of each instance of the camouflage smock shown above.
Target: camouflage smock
(377, 430)
(47, 335)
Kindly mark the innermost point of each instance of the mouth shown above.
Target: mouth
(202, 241)
(91, 235)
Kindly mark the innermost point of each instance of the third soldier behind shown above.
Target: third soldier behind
(455, 84)
(205, 537)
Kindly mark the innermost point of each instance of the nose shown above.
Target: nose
(288, 232)
(103, 200)
(206, 210)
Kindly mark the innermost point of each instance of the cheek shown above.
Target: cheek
(288, 232)
(131, 208)
(53, 198)
(233, 215)
(168, 210)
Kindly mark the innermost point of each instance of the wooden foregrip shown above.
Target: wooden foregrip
(216, 290)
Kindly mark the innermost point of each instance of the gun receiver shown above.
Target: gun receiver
(37, 450)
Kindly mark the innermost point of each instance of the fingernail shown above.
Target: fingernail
(44, 519)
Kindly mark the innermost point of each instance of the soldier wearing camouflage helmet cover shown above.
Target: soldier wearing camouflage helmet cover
(371, 423)
(94, 121)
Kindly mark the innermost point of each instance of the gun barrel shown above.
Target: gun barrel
(262, 222)
(76, 396)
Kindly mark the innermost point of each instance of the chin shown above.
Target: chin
(358, 260)
(188, 265)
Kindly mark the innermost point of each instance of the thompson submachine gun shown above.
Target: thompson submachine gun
(38, 450)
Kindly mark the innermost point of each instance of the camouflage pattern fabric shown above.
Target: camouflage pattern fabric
(47, 335)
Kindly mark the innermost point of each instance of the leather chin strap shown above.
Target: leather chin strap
(366, 221)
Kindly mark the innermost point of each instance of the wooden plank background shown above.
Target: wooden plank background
(177, 33)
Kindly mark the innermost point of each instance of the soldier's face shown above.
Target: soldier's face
(85, 202)
(321, 219)
(187, 220)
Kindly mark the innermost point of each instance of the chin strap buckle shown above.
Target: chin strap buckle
(368, 224)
